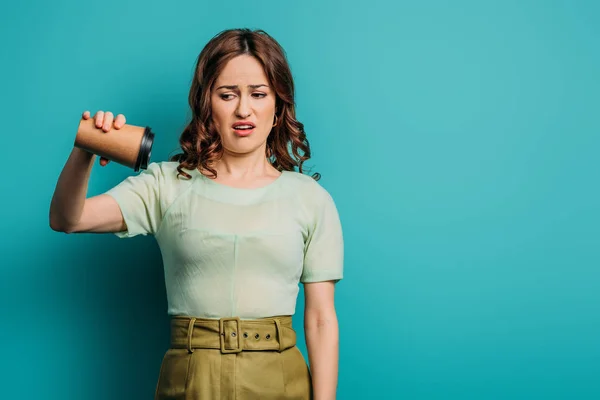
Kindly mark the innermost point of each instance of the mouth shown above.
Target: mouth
(243, 128)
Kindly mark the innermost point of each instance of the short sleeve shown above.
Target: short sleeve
(324, 248)
(138, 197)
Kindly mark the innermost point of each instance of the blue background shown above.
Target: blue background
(459, 139)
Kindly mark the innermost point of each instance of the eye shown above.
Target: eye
(226, 96)
(259, 95)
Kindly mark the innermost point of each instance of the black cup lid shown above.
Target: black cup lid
(143, 158)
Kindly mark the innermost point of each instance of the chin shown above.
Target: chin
(248, 144)
(242, 148)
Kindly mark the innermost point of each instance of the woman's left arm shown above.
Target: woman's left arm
(322, 338)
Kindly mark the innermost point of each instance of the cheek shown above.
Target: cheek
(218, 117)
(267, 114)
(216, 122)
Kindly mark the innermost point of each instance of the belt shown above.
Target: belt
(232, 335)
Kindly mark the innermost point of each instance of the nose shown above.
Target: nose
(243, 109)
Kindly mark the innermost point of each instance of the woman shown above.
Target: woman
(238, 229)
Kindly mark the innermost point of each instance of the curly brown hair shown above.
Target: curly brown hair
(201, 143)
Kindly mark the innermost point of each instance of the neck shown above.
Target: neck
(243, 166)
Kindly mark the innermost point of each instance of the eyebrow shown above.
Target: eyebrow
(235, 87)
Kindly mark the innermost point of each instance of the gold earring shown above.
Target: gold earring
(275, 124)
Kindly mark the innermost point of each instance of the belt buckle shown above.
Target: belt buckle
(222, 322)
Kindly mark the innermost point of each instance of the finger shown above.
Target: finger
(119, 121)
(99, 119)
(104, 161)
(86, 115)
(108, 121)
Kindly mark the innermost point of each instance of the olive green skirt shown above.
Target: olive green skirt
(230, 359)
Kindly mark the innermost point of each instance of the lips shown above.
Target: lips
(243, 128)
(243, 125)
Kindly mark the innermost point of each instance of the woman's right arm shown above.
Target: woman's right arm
(70, 210)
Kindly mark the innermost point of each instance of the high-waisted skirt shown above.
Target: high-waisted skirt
(229, 358)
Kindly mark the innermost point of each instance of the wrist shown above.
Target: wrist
(82, 154)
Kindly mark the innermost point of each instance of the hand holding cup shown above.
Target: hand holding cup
(104, 120)
(113, 140)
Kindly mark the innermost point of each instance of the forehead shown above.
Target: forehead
(242, 69)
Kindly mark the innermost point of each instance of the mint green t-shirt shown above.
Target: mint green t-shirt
(231, 251)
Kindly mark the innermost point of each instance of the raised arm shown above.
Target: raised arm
(70, 210)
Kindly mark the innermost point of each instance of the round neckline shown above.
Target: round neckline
(232, 189)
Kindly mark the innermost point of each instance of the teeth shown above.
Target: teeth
(243, 127)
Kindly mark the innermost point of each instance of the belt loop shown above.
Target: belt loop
(189, 335)
(279, 335)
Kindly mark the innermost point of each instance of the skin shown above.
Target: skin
(244, 164)
(242, 93)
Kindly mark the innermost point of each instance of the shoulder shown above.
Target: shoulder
(166, 171)
(163, 167)
(307, 188)
(166, 179)
(302, 181)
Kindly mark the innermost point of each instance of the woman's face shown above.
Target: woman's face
(243, 106)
